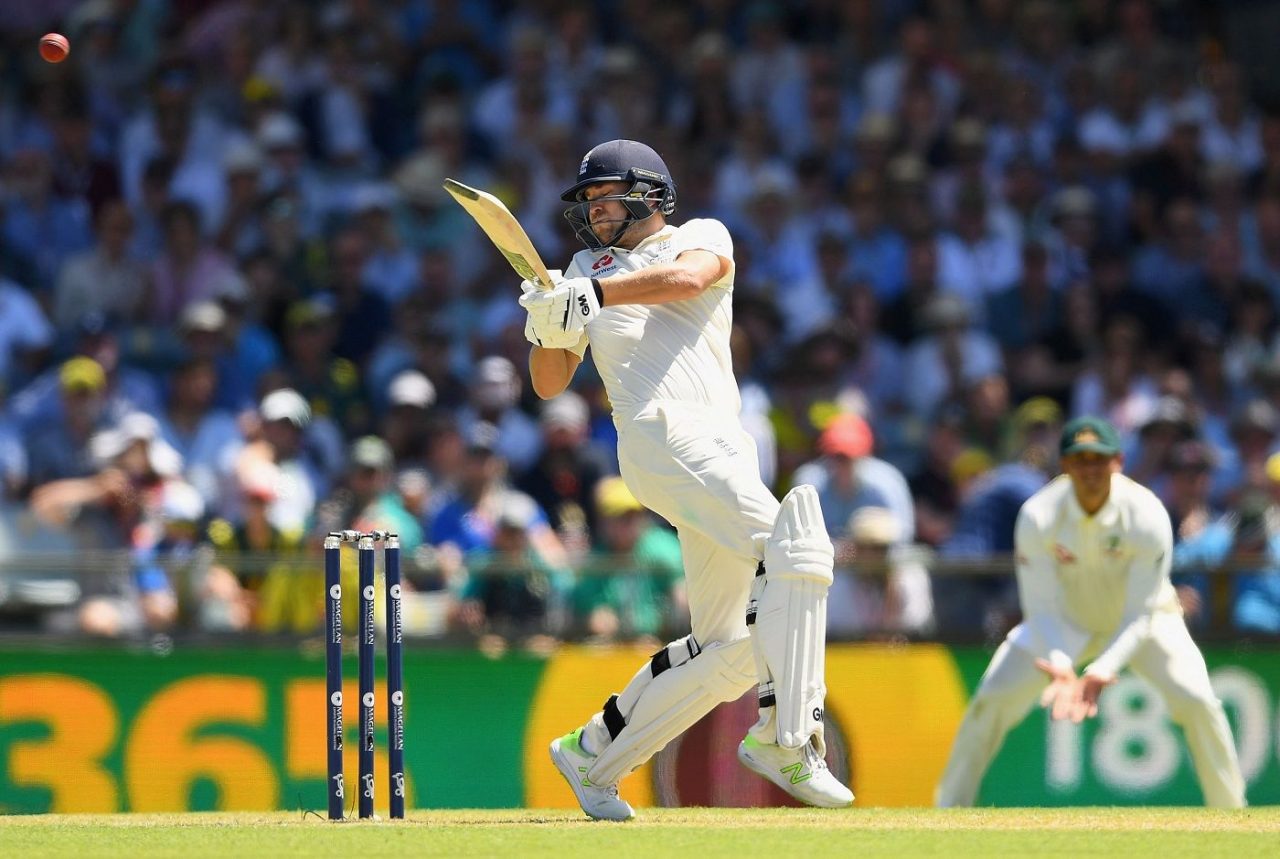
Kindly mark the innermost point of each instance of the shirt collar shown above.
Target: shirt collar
(1107, 513)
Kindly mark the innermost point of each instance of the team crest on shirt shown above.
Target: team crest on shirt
(1112, 544)
(1063, 554)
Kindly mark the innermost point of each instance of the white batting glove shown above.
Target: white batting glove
(549, 336)
(539, 328)
(572, 304)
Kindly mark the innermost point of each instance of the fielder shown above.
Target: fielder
(654, 303)
(1093, 553)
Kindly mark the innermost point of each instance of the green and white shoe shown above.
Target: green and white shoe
(599, 802)
(800, 772)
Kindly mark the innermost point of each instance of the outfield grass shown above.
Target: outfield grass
(660, 833)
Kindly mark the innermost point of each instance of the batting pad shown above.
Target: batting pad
(671, 702)
(789, 634)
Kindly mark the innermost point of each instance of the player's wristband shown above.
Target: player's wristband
(595, 284)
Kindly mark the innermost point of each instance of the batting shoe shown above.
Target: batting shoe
(800, 772)
(601, 803)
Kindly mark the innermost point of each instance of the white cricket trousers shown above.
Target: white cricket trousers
(698, 470)
(1168, 659)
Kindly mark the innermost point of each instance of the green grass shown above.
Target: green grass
(659, 833)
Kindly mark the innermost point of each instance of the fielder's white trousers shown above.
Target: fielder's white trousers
(698, 470)
(1168, 659)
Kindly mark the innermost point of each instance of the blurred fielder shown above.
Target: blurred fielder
(654, 303)
(1093, 553)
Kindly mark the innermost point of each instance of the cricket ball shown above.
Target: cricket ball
(54, 47)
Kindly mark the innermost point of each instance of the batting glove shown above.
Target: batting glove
(539, 327)
(573, 303)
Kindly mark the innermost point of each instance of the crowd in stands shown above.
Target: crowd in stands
(237, 309)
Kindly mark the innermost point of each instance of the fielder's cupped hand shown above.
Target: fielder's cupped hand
(1060, 695)
(1071, 697)
(543, 327)
(571, 303)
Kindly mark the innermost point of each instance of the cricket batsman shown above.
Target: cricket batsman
(1093, 554)
(654, 303)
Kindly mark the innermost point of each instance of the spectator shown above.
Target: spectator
(952, 354)
(886, 591)
(60, 450)
(848, 478)
(188, 268)
(40, 228)
(1195, 522)
(24, 333)
(410, 397)
(631, 587)
(368, 501)
(258, 578)
(282, 441)
(495, 394)
(512, 589)
(106, 279)
(330, 384)
(204, 435)
(565, 477)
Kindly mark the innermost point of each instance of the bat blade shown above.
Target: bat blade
(503, 230)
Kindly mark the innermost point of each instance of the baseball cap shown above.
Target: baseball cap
(308, 311)
(1089, 434)
(205, 316)
(568, 410)
(613, 498)
(873, 526)
(1038, 410)
(516, 510)
(82, 375)
(279, 131)
(848, 435)
(411, 388)
(371, 452)
(285, 404)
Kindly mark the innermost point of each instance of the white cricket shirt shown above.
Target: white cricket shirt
(1080, 576)
(677, 351)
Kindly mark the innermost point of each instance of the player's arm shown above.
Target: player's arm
(687, 276)
(1046, 633)
(1148, 571)
(551, 370)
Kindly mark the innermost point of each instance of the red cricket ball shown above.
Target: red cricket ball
(54, 47)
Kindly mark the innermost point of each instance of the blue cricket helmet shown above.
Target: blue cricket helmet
(652, 188)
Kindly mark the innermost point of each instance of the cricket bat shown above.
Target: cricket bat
(503, 230)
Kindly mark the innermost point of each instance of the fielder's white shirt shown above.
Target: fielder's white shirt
(677, 351)
(1081, 577)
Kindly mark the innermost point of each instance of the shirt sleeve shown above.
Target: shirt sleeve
(1148, 572)
(706, 234)
(1044, 632)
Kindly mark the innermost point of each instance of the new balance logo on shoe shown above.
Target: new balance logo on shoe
(797, 772)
